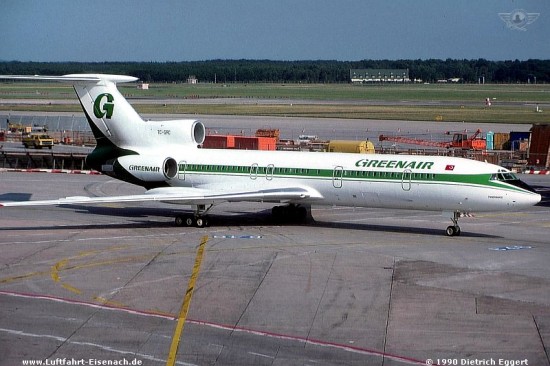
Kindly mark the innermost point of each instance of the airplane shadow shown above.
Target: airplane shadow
(8, 197)
(396, 229)
(132, 212)
(265, 218)
(144, 218)
(545, 193)
(129, 225)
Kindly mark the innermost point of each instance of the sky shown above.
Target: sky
(345, 30)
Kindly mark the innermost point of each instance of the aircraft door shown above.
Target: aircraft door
(406, 180)
(182, 167)
(254, 171)
(337, 175)
(269, 171)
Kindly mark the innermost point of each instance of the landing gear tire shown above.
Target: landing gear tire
(277, 212)
(189, 221)
(301, 213)
(290, 214)
(453, 231)
(184, 221)
(201, 222)
(198, 219)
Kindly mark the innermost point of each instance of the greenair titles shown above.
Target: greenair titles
(144, 168)
(394, 164)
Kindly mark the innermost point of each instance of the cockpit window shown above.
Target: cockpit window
(504, 176)
(508, 177)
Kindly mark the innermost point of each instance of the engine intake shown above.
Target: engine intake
(179, 132)
(149, 169)
(199, 132)
(170, 168)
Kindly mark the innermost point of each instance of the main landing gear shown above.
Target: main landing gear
(284, 214)
(454, 230)
(198, 219)
(290, 213)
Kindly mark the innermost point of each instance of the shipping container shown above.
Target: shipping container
(501, 141)
(539, 149)
(350, 146)
(219, 142)
(255, 143)
(267, 143)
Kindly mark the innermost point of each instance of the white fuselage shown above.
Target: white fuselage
(362, 180)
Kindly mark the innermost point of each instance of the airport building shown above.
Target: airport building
(379, 75)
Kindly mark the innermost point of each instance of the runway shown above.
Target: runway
(352, 287)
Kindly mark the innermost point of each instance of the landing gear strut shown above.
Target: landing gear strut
(454, 230)
(198, 219)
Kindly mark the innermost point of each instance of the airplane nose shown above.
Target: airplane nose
(526, 200)
(537, 199)
(530, 200)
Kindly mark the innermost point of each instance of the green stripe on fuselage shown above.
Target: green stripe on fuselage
(346, 174)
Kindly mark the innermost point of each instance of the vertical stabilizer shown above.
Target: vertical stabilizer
(112, 119)
(109, 114)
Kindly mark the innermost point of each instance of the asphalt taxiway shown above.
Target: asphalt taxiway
(353, 287)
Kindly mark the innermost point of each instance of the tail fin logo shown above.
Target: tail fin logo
(104, 109)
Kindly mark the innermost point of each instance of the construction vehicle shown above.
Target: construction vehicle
(18, 128)
(37, 141)
(460, 141)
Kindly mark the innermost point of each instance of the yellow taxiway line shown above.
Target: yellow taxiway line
(186, 304)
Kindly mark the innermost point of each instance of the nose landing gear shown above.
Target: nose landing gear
(453, 230)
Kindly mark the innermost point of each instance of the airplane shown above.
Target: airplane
(166, 158)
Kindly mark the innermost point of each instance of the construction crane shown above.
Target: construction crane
(460, 141)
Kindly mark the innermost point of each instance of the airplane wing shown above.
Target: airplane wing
(185, 196)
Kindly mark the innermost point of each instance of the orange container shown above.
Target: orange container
(219, 142)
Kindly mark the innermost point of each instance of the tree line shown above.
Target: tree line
(247, 71)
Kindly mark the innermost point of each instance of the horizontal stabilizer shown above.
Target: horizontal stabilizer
(73, 78)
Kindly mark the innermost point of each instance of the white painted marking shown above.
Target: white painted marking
(313, 342)
(125, 237)
(261, 355)
(89, 344)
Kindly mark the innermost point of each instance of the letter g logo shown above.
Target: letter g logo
(105, 109)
